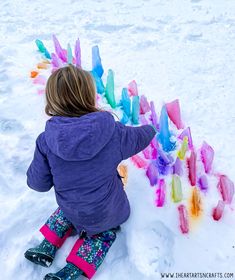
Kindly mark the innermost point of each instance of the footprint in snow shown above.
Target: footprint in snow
(151, 249)
(10, 126)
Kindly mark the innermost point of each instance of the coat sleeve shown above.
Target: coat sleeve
(39, 177)
(135, 139)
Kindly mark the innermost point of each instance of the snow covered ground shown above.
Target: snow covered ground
(173, 49)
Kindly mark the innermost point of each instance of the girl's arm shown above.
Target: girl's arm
(39, 177)
(135, 139)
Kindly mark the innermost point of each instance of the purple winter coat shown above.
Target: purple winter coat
(79, 157)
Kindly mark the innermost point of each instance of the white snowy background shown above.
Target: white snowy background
(173, 49)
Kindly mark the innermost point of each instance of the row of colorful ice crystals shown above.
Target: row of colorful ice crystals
(170, 154)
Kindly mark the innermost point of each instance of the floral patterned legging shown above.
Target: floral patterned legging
(88, 252)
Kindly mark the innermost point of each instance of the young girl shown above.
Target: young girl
(78, 154)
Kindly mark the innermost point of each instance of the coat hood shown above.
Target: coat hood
(79, 138)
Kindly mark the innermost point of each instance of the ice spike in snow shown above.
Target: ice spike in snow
(176, 194)
(96, 61)
(109, 90)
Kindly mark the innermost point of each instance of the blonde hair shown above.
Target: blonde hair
(71, 92)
